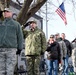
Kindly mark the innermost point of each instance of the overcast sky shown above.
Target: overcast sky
(56, 25)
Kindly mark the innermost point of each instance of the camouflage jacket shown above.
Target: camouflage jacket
(35, 42)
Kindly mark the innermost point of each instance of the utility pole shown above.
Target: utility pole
(46, 23)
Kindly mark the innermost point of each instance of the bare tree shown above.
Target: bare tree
(29, 8)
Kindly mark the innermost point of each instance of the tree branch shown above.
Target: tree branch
(33, 10)
(19, 2)
(27, 14)
(22, 14)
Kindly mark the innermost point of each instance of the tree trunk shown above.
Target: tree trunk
(27, 11)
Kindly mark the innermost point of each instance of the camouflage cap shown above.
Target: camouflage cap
(29, 22)
(7, 9)
(32, 21)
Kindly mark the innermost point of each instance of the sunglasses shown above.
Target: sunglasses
(51, 37)
(6, 11)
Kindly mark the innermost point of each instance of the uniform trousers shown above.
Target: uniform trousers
(7, 61)
(32, 65)
(74, 59)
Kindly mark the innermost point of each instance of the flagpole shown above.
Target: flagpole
(73, 9)
(58, 2)
(46, 23)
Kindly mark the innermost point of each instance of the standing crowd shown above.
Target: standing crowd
(55, 52)
(60, 49)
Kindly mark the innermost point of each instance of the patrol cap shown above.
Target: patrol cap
(56, 34)
(32, 21)
(29, 22)
(7, 9)
(51, 36)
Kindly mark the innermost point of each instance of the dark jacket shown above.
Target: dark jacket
(54, 50)
(69, 47)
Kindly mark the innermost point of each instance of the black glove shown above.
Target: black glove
(63, 58)
(42, 53)
(18, 52)
(27, 24)
(1, 13)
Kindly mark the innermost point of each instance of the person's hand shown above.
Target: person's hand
(63, 58)
(59, 61)
(1, 13)
(27, 24)
(42, 53)
(18, 52)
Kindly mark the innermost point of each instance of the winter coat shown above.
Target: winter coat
(54, 50)
(74, 53)
(69, 47)
(35, 42)
(63, 47)
(11, 35)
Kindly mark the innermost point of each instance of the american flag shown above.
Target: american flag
(61, 12)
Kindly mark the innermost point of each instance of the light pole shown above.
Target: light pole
(46, 23)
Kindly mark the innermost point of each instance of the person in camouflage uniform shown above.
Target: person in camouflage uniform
(74, 54)
(11, 43)
(35, 45)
